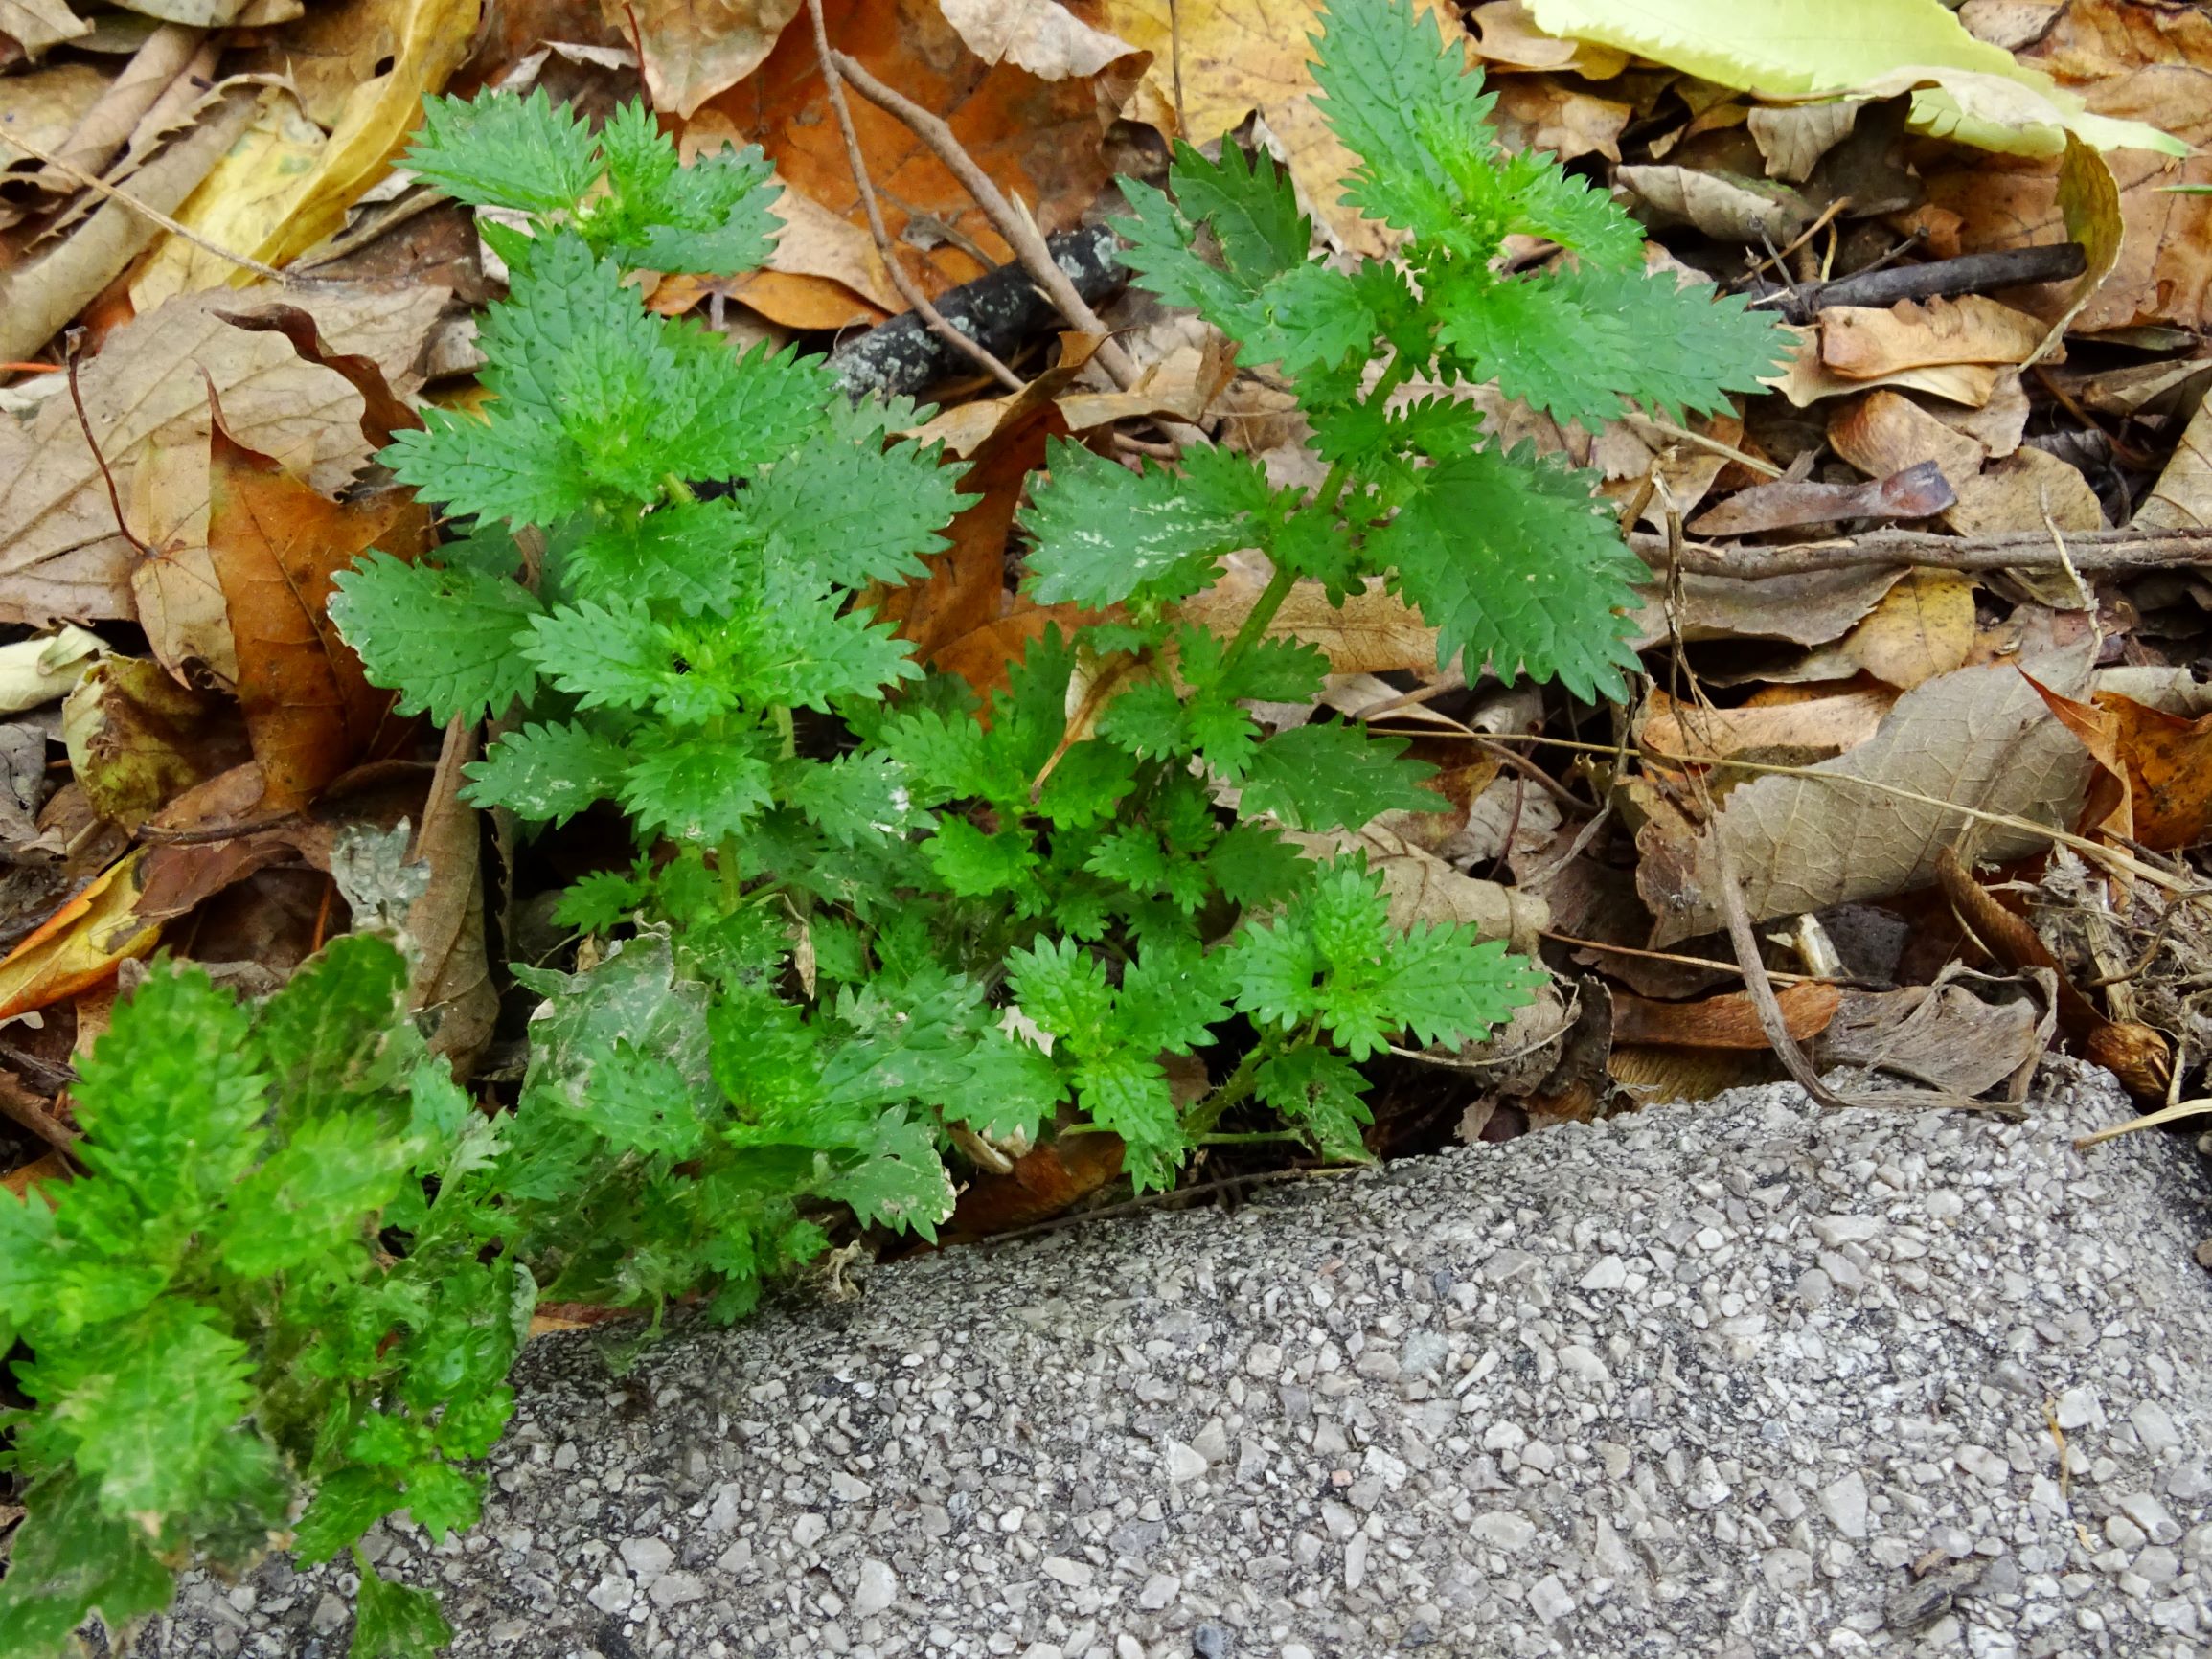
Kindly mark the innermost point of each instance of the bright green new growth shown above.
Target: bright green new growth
(864, 924)
(1508, 556)
(218, 1330)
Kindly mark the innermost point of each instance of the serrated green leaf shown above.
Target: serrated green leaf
(142, 1405)
(441, 1500)
(501, 150)
(1249, 204)
(1102, 533)
(171, 1097)
(855, 512)
(69, 1559)
(331, 1034)
(347, 1504)
(604, 655)
(1320, 1091)
(697, 789)
(688, 551)
(550, 771)
(313, 1194)
(1512, 561)
(443, 639)
(395, 1621)
(1389, 86)
(1335, 776)
(898, 1181)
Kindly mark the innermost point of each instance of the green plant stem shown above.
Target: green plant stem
(1285, 579)
(727, 865)
(1254, 1138)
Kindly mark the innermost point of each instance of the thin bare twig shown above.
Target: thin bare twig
(1017, 228)
(1713, 963)
(1713, 446)
(102, 187)
(2105, 551)
(70, 342)
(214, 832)
(908, 290)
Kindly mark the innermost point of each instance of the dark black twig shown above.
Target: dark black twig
(999, 311)
(1967, 274)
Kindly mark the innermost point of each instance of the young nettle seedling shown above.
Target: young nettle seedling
(219, 1331)
(866, 920)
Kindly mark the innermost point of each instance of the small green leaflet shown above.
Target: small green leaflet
(1335, 776)
(549, 771)
(443, 639)
(1103, 532)
(395, 1621)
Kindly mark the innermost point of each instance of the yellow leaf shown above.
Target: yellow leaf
(240, 205)
(431, 38)
(80, 945)
(1922, 627)
(1971, 91)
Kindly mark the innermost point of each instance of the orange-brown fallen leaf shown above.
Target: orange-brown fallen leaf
(81, 944)
(275, 542)
(1039, 140)
(2155, 781)
(1722, 1022)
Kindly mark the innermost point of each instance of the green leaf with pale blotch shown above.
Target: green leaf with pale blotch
(1335, 776)
(443, 638)
(395, 1621)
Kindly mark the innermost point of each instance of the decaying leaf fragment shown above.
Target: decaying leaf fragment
(276, 543)
(1872, 821)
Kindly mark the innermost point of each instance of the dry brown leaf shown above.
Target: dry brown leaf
(824, 272)
(241, 202)
(1726, 208)
(965, 591)
(40, 296)
(1918, 491)
(1887, 431)
(1806, 380)
(1040, 141)
(1722, 1022)
(1792, 137)
(137, 739)
(38, 24)
(1922, 627)
(1805, 608)
(45, 107)
(2183, 495)
(1180, 386)
(1039, 35)
(1978, 738)
(1507, 35)
(60, 553)
(1997, 420)
(1786, 730)
(80, 945)
(1535, 112)
(452, 984)
(1375, 632)
(694, 49)
(2017, 493)
(276, 543)
(1254, 56)
(1943, 1035)
(1421, 887)
(1863, 342)
(2156, 787)
(2137, 63)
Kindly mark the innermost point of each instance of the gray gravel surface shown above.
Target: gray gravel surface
(1737, 1379)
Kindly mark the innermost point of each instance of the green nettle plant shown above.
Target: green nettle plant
(220, 1328)
(867, 921)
